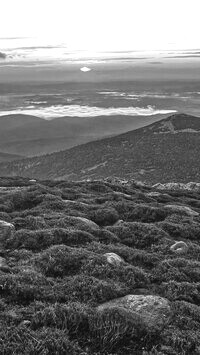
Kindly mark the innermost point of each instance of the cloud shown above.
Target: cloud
(2, 55)
(86, 111)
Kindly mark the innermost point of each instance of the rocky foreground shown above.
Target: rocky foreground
(99, 267)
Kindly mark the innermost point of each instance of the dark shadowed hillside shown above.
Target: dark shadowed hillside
(98, 268)
(36, 136)
(9, 157)
(163, 151)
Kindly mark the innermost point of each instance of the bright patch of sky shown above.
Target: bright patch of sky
(59, 27)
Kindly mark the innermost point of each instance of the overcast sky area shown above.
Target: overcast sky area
(101, 25)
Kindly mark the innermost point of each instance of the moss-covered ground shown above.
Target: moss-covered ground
(53, 271)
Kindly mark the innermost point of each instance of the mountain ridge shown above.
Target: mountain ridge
(37, 136)
(147, 154)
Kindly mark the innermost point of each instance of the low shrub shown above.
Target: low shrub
(25, 286)
(181, 231)
(126, 274)
(139, 235)
(105, 236)
(104, 216)
(131, 212)
(24, 341)
(88, 289)
(72, 317)
(31, 240)
(180, 291)
(29, 222)
(61, 260)
(112, 327)
(177, 269)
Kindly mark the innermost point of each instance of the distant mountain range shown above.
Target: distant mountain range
(9, 157)
(30, 135)
(168, 150)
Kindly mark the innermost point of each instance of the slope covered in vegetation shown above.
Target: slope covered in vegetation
(165, 151)
(98, 268)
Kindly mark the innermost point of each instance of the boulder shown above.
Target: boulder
(6, 231)
(118, 223)
(190, 186)
(179, 247)
(153, 194)
(186, 210)
(113, 258)
(153, 312)
(3, 265)
(87, 222)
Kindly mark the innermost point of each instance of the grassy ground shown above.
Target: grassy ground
(54, 274)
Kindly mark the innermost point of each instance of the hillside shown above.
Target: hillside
(164, 151)
(36, 136)
(99, 268)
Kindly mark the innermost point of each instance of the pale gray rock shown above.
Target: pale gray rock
(113, 258)
(153, 194)
(190, 186)
(6, 231)
(119, 222)
(179, 247)
(151, 311)
(88, 222)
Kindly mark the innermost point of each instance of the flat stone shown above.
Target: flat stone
(6, 231)
(179, 247)
(113, 258)
(150, 310)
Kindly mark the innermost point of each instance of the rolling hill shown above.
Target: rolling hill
(164, 151)
(36, 136)
(9, 157)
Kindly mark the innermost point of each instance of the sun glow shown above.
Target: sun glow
(104, 24)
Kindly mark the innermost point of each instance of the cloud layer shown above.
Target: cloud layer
(86, 111)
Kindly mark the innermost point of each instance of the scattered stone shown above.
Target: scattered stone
(26, 322)
(187, 210)
(152, 311)
(113, 259)
(179, 247)
(118, 193)
(118, 223)
(190, 186)
(153, 194)
(6, 231)
(2, 262)
(88, 222)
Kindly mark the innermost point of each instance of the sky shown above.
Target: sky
(102, 25)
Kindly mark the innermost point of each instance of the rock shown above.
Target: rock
(152, 312)
(120, 221)
(113, 258)
(153, 194)
(179, 247)
(32, 181)
(6, 231)
(186, 210)
(26, 322)
(88, 222)
(2, 262)
(3, 266)
(76, 203)
(118, 193)
(190, 186)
